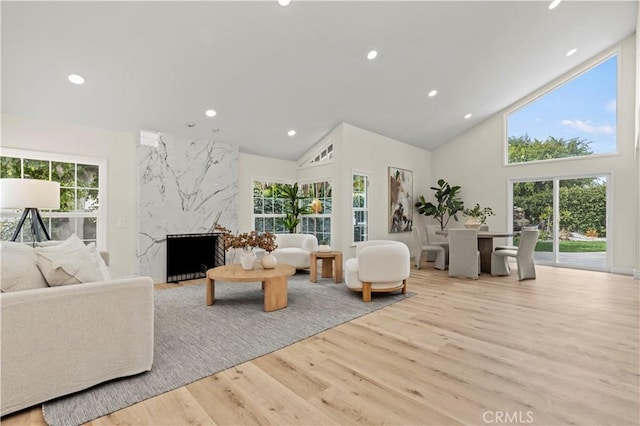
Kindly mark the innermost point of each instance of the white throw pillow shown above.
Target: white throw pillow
(70, 262)
(102, 266)
(18, 268)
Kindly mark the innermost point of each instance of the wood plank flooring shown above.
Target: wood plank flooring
(561, 349)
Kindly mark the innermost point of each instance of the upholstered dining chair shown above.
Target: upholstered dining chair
(440, 261)
(379, 266)
(523, 255)
(434, 239)
(464, 257)
(524, 228)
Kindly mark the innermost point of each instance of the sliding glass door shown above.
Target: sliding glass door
(571, 215)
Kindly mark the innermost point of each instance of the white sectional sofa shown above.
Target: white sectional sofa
(59, 340)
(295, 249)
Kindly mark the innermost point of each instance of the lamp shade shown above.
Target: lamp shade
(29, 193)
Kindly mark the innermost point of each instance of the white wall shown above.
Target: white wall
(637, 151)
(254, 167)
(119, 149)
(366, 151)
(474, 161)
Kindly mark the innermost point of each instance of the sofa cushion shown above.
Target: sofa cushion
(19, 269)
(70, 262)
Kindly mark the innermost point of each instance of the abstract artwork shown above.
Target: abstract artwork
(400, 200)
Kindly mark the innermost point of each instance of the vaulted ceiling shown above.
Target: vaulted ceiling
(267, 69)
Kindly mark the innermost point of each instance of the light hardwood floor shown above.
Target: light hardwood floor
(561, 349)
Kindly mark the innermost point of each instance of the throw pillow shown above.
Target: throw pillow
(102, 266)
(19, 269)
(70, 262)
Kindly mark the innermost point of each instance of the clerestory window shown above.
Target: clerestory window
(577, 118)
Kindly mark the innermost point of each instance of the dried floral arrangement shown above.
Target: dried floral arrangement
(247, 240)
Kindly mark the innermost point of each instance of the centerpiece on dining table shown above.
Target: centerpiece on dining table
(477, 216)
(246, 242)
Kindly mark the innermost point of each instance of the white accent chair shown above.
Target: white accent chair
(379, 266)
(295, 249)
(440, 261)
(464, 257)
(523, 255)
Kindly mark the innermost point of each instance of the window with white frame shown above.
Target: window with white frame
(80, 194)
(323, 155)
(268, 207)
(574, 119)
(360, 205)
(318, 222)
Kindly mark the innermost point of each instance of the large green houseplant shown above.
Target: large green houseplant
(295, 204)
(447, 205)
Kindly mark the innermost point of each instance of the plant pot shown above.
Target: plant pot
(247, 260)
(472, 223)
(269, 261)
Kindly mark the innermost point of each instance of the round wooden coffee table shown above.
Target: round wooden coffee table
(274, 282)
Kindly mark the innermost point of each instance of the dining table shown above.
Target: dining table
(485, 246)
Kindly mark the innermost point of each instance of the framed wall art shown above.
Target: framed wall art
(400, 200)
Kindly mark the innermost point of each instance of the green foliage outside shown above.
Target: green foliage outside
(79, 185)
(522, 149)
(582, 201)
(570, 246)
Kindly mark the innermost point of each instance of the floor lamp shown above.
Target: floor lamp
(30, 195)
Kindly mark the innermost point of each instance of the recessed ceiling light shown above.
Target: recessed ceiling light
(291, 132)
(191, 124)
(76, 79)
(571, 52)
(372, 55)
(433, 93)
(210, 113)
(554, 4)
(284, 2)
(467, 116)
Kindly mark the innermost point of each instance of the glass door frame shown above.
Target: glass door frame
(556, 213)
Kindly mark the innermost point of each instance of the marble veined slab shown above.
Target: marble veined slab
(185, 186)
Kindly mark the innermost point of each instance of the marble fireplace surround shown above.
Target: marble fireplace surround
(185, 186)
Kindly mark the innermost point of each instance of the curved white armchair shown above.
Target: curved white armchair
(523, 255)
(295, 249)
(379, 266)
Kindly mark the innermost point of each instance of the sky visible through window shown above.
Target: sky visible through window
(584, 107)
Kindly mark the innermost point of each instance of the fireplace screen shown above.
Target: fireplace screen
(189, 256)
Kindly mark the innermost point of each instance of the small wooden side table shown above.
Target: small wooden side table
(331, 265)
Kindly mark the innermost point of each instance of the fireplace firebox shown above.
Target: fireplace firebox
(189, 256)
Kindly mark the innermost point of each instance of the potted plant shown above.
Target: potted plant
(295, 204)
(448, 204)
(477, 216)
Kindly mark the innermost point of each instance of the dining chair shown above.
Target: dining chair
(464, 257)
(523, 255)
(440, 261)
(434, 239)
(524, 228)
